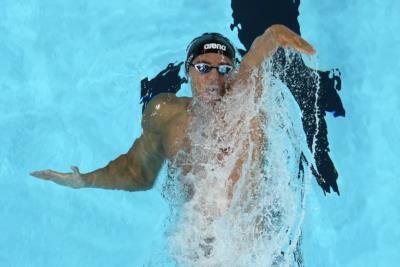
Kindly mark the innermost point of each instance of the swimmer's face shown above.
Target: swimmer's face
(212, 85)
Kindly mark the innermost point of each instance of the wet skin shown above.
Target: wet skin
(166, 120)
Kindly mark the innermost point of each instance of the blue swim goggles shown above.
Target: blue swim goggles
(204, 68)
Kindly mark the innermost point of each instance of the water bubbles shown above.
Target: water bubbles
(246, 203)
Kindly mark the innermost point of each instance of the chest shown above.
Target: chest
(175, 137)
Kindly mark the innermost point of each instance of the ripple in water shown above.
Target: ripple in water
(256, 136)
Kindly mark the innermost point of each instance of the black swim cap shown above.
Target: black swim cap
(209, 42)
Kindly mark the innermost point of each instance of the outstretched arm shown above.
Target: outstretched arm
(133, 171)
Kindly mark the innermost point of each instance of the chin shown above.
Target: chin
(210, 98)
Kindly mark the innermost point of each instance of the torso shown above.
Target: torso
(175, 136)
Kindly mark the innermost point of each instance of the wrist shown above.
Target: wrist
(85, 180)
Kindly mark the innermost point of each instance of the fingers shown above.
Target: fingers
(65, 179)
(45, 174)
(49, 174)
(299, 44)
(289, 39)
(304, 46)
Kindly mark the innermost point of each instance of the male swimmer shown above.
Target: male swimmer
(209, 64)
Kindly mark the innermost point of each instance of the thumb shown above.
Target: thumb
(75, 169)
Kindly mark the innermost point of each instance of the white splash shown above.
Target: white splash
(260, 225)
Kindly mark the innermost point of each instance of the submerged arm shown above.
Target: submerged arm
(133, 171)
(139, 167)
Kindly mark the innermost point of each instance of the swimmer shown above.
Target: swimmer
(209, 64)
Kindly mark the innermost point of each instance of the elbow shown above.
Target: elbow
(138, 188)
(143, 185)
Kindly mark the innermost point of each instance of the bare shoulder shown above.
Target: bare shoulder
(162, 109)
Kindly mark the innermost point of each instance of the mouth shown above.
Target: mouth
(213, 92)
(209, 97)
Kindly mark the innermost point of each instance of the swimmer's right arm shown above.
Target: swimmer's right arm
(135, 170)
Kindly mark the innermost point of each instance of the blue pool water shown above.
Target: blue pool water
(69, 95)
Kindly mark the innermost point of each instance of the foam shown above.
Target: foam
(261, 224)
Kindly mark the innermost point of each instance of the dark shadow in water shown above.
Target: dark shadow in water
(252, 18)
(167, 81)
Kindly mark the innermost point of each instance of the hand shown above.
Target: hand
(73, 179)
(274, 37)
(286, 38)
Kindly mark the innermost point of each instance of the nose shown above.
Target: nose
(213, 74)
(213, 77)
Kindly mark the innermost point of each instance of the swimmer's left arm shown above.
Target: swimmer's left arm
(265, 46)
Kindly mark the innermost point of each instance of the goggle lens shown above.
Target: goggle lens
(204, 68)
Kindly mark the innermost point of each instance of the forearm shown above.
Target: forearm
(250, 72)
(263, 47)
(133, 171)
(117, 175)
(121, 179)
